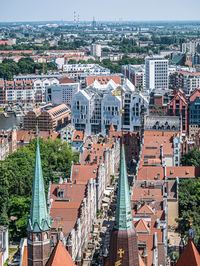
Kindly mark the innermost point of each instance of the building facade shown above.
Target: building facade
(156, 73)
(48, 117)
(136, 74)
(96, 107)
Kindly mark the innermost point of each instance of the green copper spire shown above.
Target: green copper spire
(123, 218)
(39, 219)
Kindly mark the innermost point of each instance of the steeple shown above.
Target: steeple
(123, 217)
(39, 219)
(123, 241)
(39, 222)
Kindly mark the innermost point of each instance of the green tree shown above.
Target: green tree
(16, 178)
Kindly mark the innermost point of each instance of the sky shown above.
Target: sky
(107, 10)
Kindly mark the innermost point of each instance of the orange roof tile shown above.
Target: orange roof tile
(60, 256)
(103, 79)
(141, 226)
(145, 209)
(25, 257)
(78, 136)
(183, 171)
(190, 256)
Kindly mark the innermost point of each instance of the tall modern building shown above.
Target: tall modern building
(156, 73)
(96, 50)
(123, 241)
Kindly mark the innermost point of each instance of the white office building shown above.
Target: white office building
(156, 73)
(94, 109)
(61, 93)
(96, 50)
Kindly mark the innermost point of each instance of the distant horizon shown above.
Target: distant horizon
(112, 10)
(99, 21)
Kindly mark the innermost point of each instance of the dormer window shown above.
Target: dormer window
(61, 194)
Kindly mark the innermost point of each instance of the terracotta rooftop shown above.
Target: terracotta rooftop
(190, 256)
(183, 171)
(83, 173)
(103, 79)
(145, 209)
(78, 136)
(25, 257)
(151, 173)
(141, 226)
(65, 210)
(60, 256)
(66, 80)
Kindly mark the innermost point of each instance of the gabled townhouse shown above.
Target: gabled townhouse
(178, 106)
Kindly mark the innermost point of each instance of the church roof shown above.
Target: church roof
(190, 256)
(123, 218)
(39, 219)
(60, 256)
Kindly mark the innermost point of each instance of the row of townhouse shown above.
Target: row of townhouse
(154, 199)
(24, 91)
(39, 90)
(178, 104)
(96, 107)
(73, 203)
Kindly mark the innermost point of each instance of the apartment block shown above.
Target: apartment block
(79, 72)
(156, 73)
(187, 81)
(136, 74)
(97, 106)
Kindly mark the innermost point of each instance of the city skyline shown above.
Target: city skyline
(19, 11)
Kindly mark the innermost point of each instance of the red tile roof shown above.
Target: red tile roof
(66, 80)
(103, 79)
(25, 257)
(60, 256)
(145, 209)
(141, 226)
(183, 171)
(67, 210)
(150, 173)
(190, 256)
(78, 136)
(83, 173)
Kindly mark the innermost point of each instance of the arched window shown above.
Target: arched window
(37, 237)
(45, 236)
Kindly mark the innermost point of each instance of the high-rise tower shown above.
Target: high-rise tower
(39, 222)
(123, 242)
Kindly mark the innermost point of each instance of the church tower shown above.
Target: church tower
(39, 222)
(123, 242)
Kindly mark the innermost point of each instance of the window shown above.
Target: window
(37, 237)
(45, 236)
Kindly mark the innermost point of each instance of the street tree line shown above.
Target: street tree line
(16, 179)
